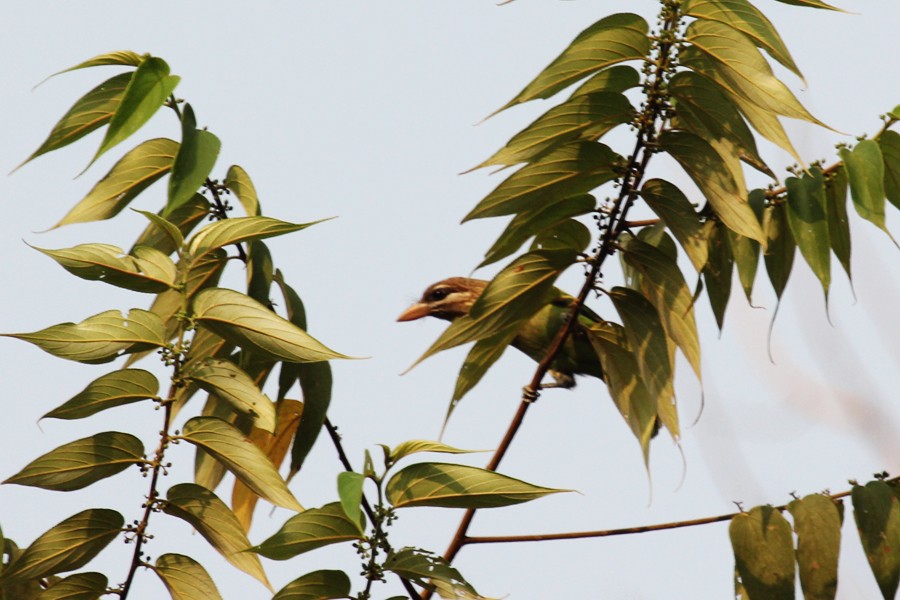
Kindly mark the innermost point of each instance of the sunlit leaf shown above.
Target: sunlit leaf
(184, 219)
(227, 381)
(764, 553)
(717, 273)
(100, 338)
(91, 111)
(566, 236)
(810, 4)
(745, 251)
(248, 324)
(80, 463)
(208, 471)
(107, 391)
(427, 570)
(194, 161)
(409, 447)
(150, 86)
(817, 522)
(248, 463)
(311, 529)
(80, 586)
(126, 58)
(613, 79)
(66, 546)
(216, 523)
(241, 186)
(318, 585)
(865, 173)
(570, 170)
(144, 270)
(611, 40)
(780, 246)
(241, 229)
(350, 492)
(677, 212)
(808, 221)
(130, 176)
(838, 223)
(185, 578)
(876, 510)
(889, 142)
(459, 486)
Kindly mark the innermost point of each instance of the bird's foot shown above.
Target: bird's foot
(529, 394)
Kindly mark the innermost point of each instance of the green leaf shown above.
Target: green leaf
(80, 463)
(409, 447)
(147, 91)
(91, 111)
(167, 229)
(80, 586)
(718, 271)
(780, 246)
(876, 510)
(108, 391)
(241, 229)
(806, 216)
(229, 382)
(311, 529)
(626, 386)
(741, 67)
(100, 338)
(570, 170)
(611, 40)
(648, 341)
(318, 585)
(428, 570)
(130, 176)
(889, 143)
(810, 4)
(194, 161)
(746, 18)
(241, 186)
(663, 284)
(706, 167)
(764, 553)
(248, 324)
(483, 354)
(126, 58)
(350, 491)
(531, 222)
(248, 463)
(817, 522)
(183, 219)
(216, 523)
(566, 236)
(865, 172)
(745, 251)
(459, 486)
(613, 79)
(582, 117)
(185, 578)
(208, 471)
(68, 545)
(677, 212)
(514, 296)
(145, 270)
(838, 223)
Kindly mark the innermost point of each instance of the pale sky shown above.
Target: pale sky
(368, 112)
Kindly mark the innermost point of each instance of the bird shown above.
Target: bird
(453, 297)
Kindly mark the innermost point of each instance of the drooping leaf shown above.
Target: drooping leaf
(130, 176)
(746, 18)
(149, 87)
(144, 270)
(228, 382)
(68, 545)
(613, 79)
(569, 236)
(483, 354)
(194, 161)
(677, 212)
(318, 585)
(745, 251)
(310, 529)
(718, 272)
(889, 143)
(715, 180)
(764, 553)
(107, 391)
(184, 219)
(458, 486)
(865, 172)
(780, 247)
(570, 170)
(80, 586)
(185, 578)
(248, 324)
(241, 186)
(91, 111)
(876, 510)
(806, 216)
(209, 471)
(611, 40)
(100, 338)
(428, 570)
(216, 523)
(241, 229)
(810, 4)
(838, 223)
(350, 492)
(248, 463)
(80, 463)
(817, 522)
(126, 58)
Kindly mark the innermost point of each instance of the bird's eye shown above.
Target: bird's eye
(438, 294)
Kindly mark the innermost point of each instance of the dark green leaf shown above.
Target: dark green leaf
(483, 354)
(889, 142)
(185, 578)
(677, 212)
(808, 221)
(876, 510)
(780, 246)
(107, 391)
(318, 585)
(718, 271)
(764, 553)
(865, 172)
(817, 522)
(613, 79)
(428, 570)
(566, 236)
(838, 223)
(194, 161)
(746, 251)
(310, 529)
(80, 586)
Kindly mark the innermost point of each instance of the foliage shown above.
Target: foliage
(697, 87)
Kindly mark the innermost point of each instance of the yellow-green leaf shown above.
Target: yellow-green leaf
(889, 142)
(614, 79)
(185, 578)
(311, 529)
(107, 391)
(876, 510)
(811, 4)
(817, 522)
(241, 186)
(318, 585)
(126, 58)
(158, 234)
(459, 486)
(194, 161)
(808, 221)
(144, 270)
(80, 586)
(764, 553)
(746, 251)
(229, 382)
(430, 571)
(483, 354)
(241, 229)
(677, 212)
(780, 247)
(409, 447)
(865, 172)
(80, 463)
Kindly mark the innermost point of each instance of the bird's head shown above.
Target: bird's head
(447, 299)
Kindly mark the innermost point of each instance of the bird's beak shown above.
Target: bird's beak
(416, 311)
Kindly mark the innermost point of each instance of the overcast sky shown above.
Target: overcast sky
(367, 111)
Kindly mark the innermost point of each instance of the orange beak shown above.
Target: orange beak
(416, 311)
